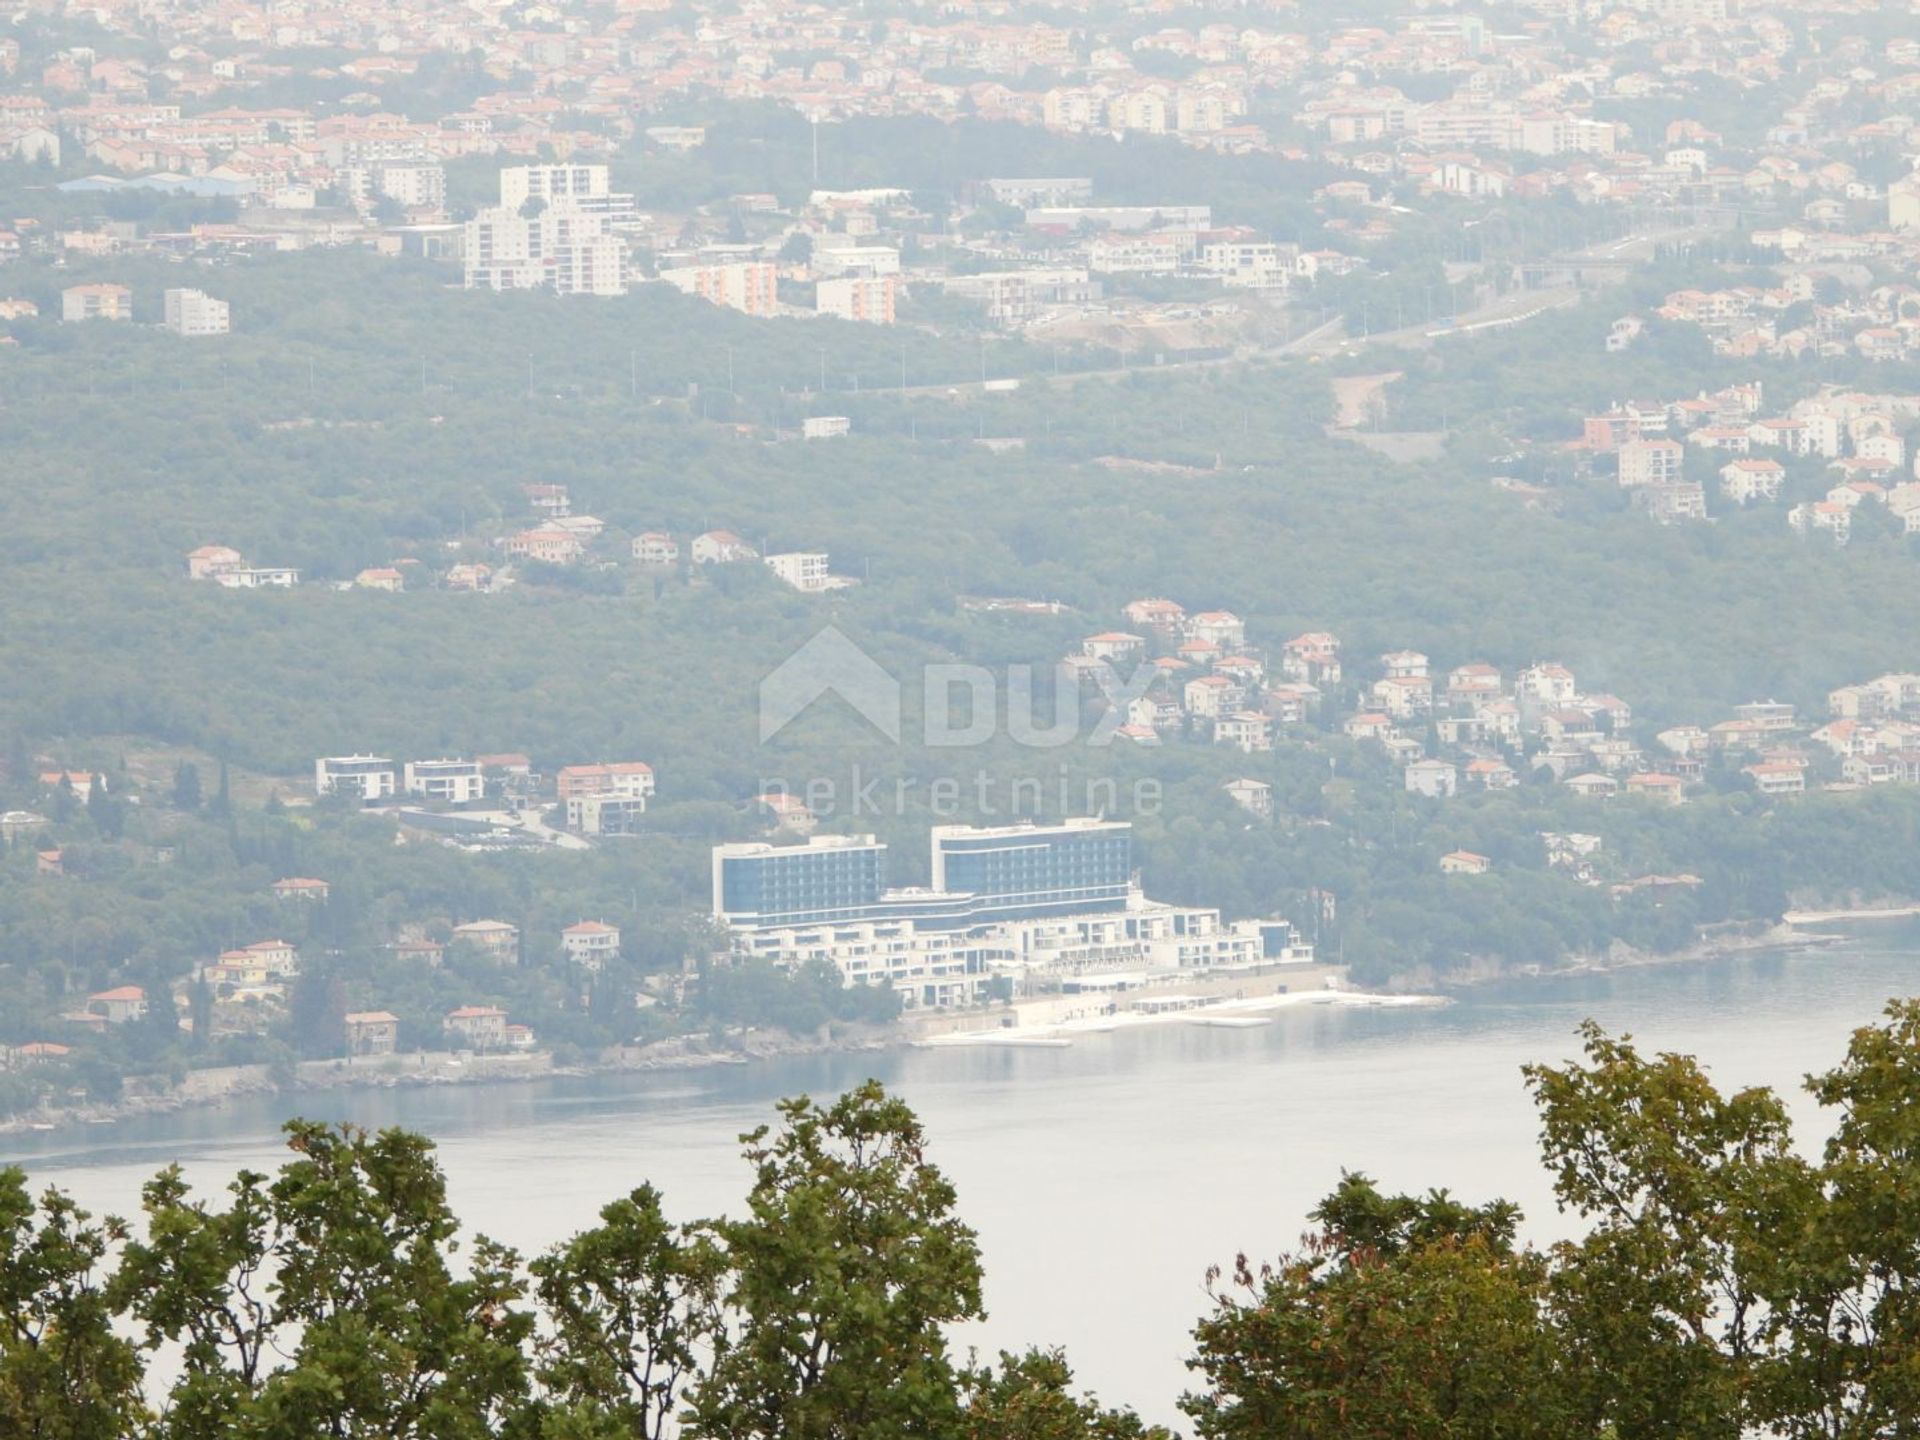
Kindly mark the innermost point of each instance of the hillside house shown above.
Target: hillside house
(1113, 645)
(590, 944)
(1248, 731)
(1312, 659)
(1435, 779)
(1253, 796)
(1162, 616)
(494, 938)
(119, 1005)
(656, 548)
(1219, 627)
(1667, 789)
(721, 547)
(372, 1032)
(1777, 777)
(477, 1027)
(547, 547)
(211, 560)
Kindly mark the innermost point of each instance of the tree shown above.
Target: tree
(1688, 1193)
(1030, 1397)
(199, 1280)
(64, 1373)
(635, 1311)
(343, 1265)
(1843, 1285)
(316, 1012)
(186, 786)
(392, 1342)
(102, 809)
(1401, 1318)
(200, 1012)
(848, 1266)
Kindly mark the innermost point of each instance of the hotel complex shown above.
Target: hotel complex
(1036, 904)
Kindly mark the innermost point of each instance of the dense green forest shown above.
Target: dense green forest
(1723, 1284)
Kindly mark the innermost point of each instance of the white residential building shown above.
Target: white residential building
(259, 577)
(563, 248)
(804, 570)
(591, 944)
(194, 313)
(869, 300)
(371, 777)
(414, 184)
(551, 183)
(457, 782)
(654, 547)
(1436, 779)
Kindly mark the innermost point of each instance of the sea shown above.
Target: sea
(1104, 1179)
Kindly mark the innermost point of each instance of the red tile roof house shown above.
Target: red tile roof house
(1669, 789)
(119, 1005)
(37, 1052)
(300, 887)
(1112, 645)
(428, 952)
(590, 943)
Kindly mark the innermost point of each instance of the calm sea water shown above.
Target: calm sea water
(1103, 1179)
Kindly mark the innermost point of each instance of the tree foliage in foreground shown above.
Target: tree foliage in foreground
(1725, 1285)
(1722, 1285)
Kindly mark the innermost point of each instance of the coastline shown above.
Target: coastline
(1726, 942)
(1231, 1011)
(1828, 917)
(1214, 1004)
(212, 1088)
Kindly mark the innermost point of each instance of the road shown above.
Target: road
(1331, 337)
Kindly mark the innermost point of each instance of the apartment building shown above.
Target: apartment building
(561, 248)
(804, 570)
(370, 777)
(455, 782)
(622, 779)
(1651, 462)
(195, 313)
(747, 286)
(95, 302)
(866, 299)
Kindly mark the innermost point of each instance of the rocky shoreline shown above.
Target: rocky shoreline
(1726, 941)
(210, 1089)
